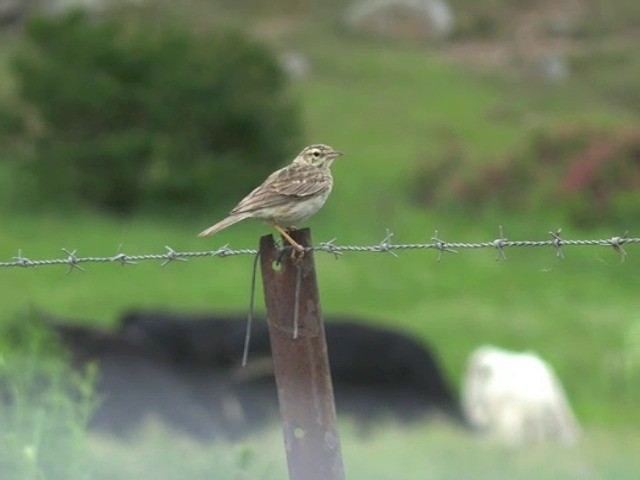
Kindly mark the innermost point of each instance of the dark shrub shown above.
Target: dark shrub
(128, 114)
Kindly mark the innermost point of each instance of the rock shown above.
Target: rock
(554, 67)
(517, 398)
(296, 65)
(418, 20)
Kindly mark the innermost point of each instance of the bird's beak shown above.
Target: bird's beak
(335, 154)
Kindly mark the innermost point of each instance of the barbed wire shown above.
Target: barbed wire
(500, 244)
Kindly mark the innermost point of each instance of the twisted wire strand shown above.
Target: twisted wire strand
(74, 261)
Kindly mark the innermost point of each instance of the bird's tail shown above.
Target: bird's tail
(227, 222)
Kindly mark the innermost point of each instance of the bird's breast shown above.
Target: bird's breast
(296, 211)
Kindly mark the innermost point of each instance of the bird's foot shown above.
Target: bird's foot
(297, 250)
(297, 253)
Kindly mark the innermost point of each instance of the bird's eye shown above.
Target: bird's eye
(316, 153)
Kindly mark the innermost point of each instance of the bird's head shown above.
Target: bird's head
(321, 156)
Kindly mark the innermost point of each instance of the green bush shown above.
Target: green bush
(123, 114)
(590, 174)
(45, 406)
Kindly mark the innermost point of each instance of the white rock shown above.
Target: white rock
(418, 19)
(554, 67)
(517, 398)
(296, 65)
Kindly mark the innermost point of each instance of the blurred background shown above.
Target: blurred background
(139, 123)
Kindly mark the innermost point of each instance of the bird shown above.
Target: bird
(288, 196)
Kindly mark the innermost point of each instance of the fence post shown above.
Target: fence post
(301, 365)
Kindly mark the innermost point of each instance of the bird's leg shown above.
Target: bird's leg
(296, 246)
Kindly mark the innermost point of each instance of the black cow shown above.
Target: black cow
(185, 370)
(137, 381)
(375, 371)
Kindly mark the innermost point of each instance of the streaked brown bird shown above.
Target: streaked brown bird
(289, 195)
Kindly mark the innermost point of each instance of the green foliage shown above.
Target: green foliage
(127, 114)
(45, 406)
(591, 174)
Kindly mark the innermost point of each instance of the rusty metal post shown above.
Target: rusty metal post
(301, 365)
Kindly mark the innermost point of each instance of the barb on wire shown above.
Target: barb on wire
(441, 246)
(224, 251)
(172, 256)
(330, 247)
(20, 261)
(558, 243)
(385, 245)
(617, 242)
(122, 257)
(500, 243)
(72, 260)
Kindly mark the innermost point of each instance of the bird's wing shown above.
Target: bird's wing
(297, 181)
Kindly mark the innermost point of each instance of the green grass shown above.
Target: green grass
(576, 313)
(388, 108)
(434, 451)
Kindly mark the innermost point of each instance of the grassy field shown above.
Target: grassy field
(433, 451)
(388, 108)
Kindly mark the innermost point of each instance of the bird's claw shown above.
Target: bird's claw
(297, 253)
